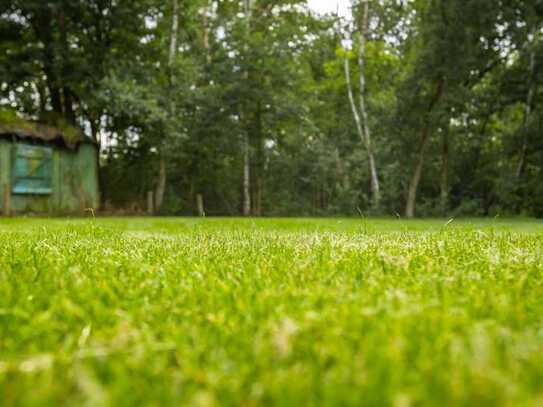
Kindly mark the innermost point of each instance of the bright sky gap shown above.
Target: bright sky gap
(330, 6)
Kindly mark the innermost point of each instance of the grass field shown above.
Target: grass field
(271, 312)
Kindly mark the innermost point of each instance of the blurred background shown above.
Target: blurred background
(272, 107)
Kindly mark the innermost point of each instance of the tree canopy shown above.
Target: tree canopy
(263, 107)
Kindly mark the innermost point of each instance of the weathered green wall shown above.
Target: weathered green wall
(74, 182)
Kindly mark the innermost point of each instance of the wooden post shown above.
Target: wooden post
(6, 200)
(150, 203)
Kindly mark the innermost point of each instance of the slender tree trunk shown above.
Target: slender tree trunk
(200, 205)
(161, 184)
(362, 36)
(68, 108)
(150, 203)
(527, 113)
(419, 161)
(51, 75)
(205, 23)
(259, 194)
(246, 137)
(415, 180)
(162, 176)
(258, 168)
(196, 184)
(173, 36)
(54, 94)
(444, 184)
(95, 133)
(42, 92)
(69, 113)
(41, 24)
(360, 114)
(354, 109)
(246, 176)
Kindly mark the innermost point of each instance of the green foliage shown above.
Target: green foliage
(457, 67)
(10, 118)
(277, 312)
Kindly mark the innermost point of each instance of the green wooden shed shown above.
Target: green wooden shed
(45, 170)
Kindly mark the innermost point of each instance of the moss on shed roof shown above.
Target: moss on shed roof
(59, 133)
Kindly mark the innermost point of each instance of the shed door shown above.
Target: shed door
(32, 169)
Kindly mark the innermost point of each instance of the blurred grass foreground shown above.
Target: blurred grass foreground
(270, 312)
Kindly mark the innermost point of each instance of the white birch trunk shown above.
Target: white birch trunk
(360, 113)
(363, 29)
(350, 93)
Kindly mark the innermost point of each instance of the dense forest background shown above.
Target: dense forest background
(262, 107)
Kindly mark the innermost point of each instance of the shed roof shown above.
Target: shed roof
(69, 137)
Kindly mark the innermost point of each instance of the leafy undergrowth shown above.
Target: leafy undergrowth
(282, 312)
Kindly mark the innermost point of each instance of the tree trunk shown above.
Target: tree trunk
(68, 108)
(42, 92)
(415, 180)
(246, 176)
(258, 168)
(51, 77)
(173, 36)
(161, 184)
(69, 113)
(527, 113)
(54, 94)
(205, 24)
(94, 125)
(41, 23)
(200, 205)
(256, 200)
(195, 190)
(360, 114)
(444, 184)
(150, 203)
(350, 94)
(246, 137)
(162, 177)
(419, 163)
(363, 30)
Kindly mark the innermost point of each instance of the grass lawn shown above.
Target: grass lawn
(297, 312)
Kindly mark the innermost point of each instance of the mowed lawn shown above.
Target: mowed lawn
(290, 312)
